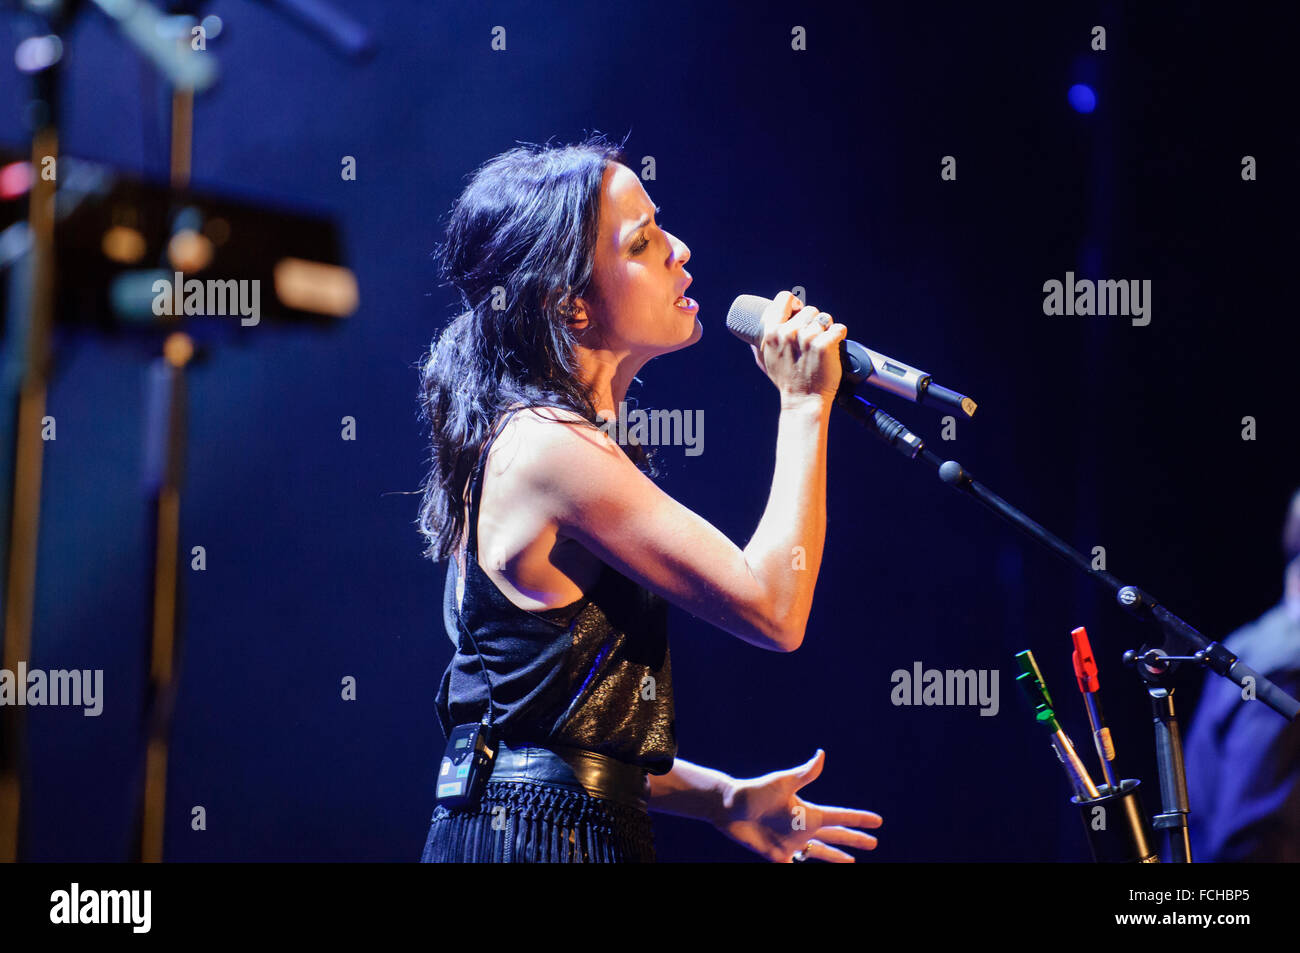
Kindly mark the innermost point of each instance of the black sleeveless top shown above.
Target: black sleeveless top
(594, 674)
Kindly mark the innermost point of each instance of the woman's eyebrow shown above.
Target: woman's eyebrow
(641, 222)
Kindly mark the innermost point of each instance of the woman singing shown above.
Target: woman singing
(562, 551)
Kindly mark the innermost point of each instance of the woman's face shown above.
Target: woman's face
(639, 274)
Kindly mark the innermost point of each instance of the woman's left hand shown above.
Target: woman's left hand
(767, 815)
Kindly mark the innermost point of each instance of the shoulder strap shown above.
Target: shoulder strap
(476, 485)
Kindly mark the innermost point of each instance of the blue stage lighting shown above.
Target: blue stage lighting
(1082, 98)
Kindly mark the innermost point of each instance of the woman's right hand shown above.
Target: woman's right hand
(800, 348)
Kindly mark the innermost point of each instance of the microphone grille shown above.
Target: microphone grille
(745, 318)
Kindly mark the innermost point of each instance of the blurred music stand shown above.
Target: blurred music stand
(102, 224)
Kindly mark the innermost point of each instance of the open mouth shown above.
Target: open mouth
(684, 303)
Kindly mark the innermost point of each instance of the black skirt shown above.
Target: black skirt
(538, 822)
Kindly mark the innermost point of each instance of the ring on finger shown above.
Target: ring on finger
(824, 320)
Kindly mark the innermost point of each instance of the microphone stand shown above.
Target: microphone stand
(1181, 644)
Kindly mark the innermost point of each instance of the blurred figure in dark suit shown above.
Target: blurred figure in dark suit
(1243, 759)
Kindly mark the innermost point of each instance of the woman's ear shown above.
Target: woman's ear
(575, 313)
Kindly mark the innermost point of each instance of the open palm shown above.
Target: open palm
(768, 816)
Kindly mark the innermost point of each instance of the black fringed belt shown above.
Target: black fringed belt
(597, 774)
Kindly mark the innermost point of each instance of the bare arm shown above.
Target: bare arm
(786, 549)
(766, 814)
(762, 594)
(692, 790)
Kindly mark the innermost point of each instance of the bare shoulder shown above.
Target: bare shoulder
(552, 440)
(522, 546)
(562, 464)
(540, 422)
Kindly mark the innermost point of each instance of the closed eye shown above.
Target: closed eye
(641, 243)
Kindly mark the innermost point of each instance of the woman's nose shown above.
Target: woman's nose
(680, 249)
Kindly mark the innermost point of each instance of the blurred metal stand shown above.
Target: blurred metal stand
(165, 452)
(26, 375)
(30, 321)
(164, 470)
(296, 255)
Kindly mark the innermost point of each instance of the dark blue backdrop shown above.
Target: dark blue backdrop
(779, 168)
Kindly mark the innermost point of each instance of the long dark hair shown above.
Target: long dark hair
(520, 245)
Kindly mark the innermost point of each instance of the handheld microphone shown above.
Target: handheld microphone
(861, 365)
